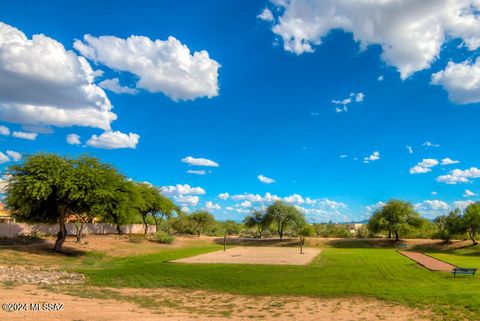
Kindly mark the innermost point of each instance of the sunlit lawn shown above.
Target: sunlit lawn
(380, 273)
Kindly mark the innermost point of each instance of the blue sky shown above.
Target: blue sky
(263, 96)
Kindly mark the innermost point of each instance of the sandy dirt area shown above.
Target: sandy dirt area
(256, 255)
(183, 305)
(427, 261)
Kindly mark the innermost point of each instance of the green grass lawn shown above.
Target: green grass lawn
(380, 273)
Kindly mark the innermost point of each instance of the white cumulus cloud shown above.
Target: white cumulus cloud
(223, 196)
(461, 81)
(165, 66)
(424, 166)
(373, 157)
(114, 140)
(266, 15)
(468, 193)
(199, 162)
(4, 130)
(16, 156)
(4, 158)
(24, 135)
(459, 176)
(114, 85)
(449, 161)
(43, 84)
(410, 32)
(265, 180)
(73, 139)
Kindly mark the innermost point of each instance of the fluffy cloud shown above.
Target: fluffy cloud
(424, 166)
(461, 81)
(265, 180)
(114, 140)
(24, 135)
(114, 85)
(410, 39)
(353, 97)
(196, 172)
(180, 189)
(199, 162)
(432, 208)
(185, 195)
(449, 161)
(161, 66)
(16, 156)
(468, 193)
(410, 149)
(42, 84)
(462, 204)
(266, 15)
(187, 200)
(459, 176)
(212, 206)
(373, 157)
(4, 131)
(4, 158)
(223, 196)
(73, 139)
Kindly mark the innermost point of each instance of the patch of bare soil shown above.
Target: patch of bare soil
(256, 255)
(183, 305)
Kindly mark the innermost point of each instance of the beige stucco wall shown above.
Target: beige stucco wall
(15, 229)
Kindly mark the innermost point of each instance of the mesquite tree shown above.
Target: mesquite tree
(47, 188)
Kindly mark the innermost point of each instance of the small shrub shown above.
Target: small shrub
(163, 237)
(136, 238)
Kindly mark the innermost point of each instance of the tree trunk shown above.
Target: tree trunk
(62, 233)
(472, 237)
(396, 235)
(302, 240)
(144, 218)
(119, 229)
(79, 232)
(389, 234)
(156, 223)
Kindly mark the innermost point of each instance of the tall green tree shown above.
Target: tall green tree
(449, 225)
(283, 215)
(201, 220)
(149, 203)
(396, 216)
(259, 220)
(471, 221)
(165, 209)
(119, 202)
(47, 188)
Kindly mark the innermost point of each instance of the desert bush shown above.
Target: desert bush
(163, 237)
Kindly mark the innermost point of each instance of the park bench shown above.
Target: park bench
(458, 270)
(401, 246)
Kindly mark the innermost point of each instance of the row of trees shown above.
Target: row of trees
(400, 218)
(457, 223)
(47, 188)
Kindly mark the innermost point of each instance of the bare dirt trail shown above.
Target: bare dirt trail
(183, 305)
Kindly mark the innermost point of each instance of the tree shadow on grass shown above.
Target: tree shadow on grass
(38, 246)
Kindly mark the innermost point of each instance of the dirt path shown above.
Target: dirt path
(183, 305)
(256, 255)
(427, 261)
